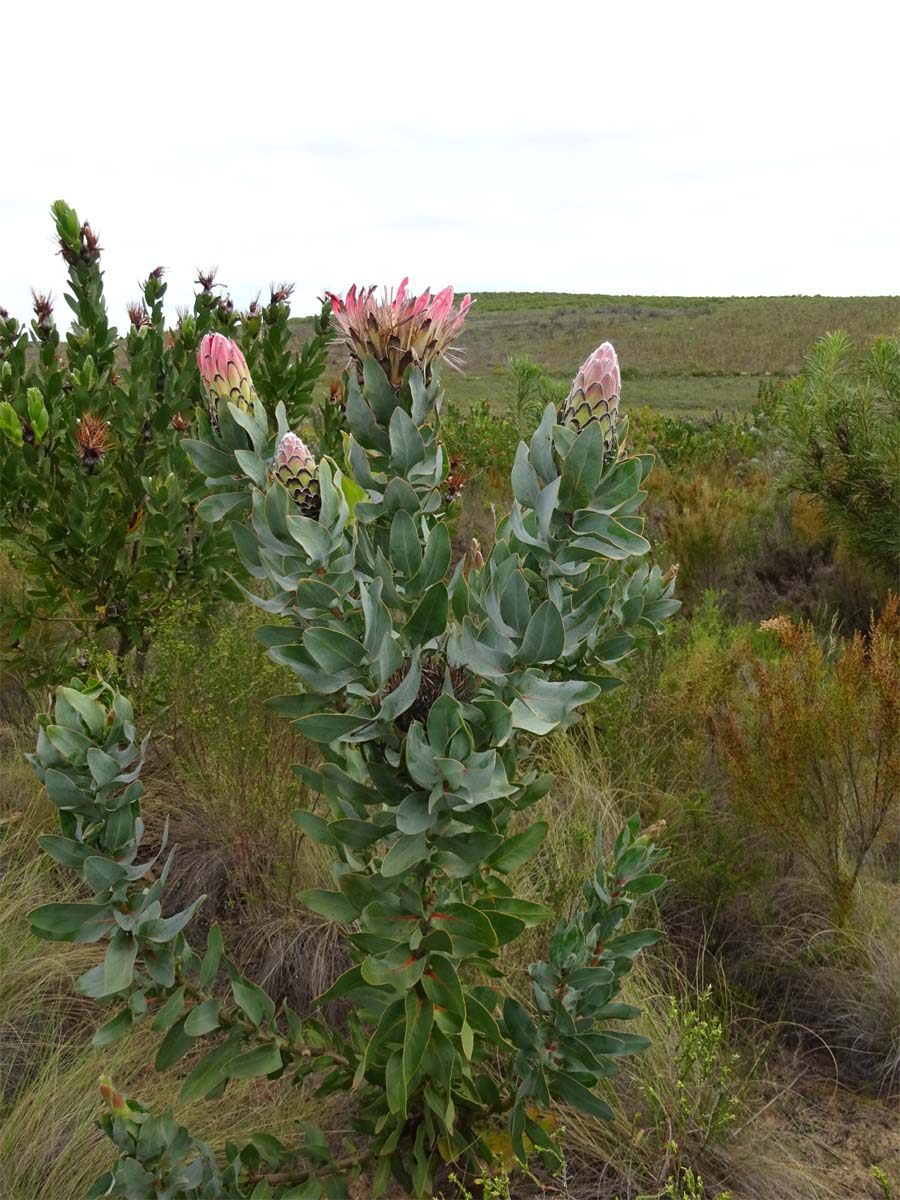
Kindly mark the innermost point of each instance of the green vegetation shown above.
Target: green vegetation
(761, 728)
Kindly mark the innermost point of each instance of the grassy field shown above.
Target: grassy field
(681, 355)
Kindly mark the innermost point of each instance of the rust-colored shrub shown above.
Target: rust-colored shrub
(813, 754)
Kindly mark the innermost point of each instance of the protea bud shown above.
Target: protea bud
(113, 1097)
(399, 330)
(594, 397)
(225, 373)
(92, 436)
(295, 468)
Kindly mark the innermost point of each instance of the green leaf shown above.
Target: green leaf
(314, 827)
(103, 767)
(617, 487)
(519, 1025)
(442, 985)
(71, 922)
(264, 1060)
(118, 965)
(545, 636)
(399, 969)
(333, 905)
(407, 447)
(518, 850)
(209, 967)
(211, 462)
(170, 1012)
(70, 744)
(89, 710)
(419, 1013)
(62, 791)
(202, 1019)
(355, 833)
(406, 551)
(462, 920)
(213, 508)
(332, 650)
(174, 1046)
(65, 851)
(395, 1084)
(570, 1091)
(582, 469)
(525, 910)
(258, 1006)
(114, 1029)
(210, 1071)
(329, 727)
(629, 944)
(484, 1022)
(406, 852)
(430, 617)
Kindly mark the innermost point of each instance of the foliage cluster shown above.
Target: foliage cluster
(840, 427)
(98, 500)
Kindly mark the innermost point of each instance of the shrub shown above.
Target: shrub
(482, 441)
(840, 424)
(813, 753)
(98, 500)
(421, 694)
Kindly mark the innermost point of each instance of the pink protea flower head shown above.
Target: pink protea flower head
(295, 469)
(594, 397)
(225, 373)
(399, 329)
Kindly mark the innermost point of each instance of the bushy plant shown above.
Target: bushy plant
(689, 443)
(422, 688)
(813, 753)
(480, 440)
(98, 500)
(840, 425)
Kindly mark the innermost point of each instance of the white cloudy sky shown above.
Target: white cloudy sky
(695, 148)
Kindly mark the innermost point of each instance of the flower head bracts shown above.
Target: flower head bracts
(400, 329)
(295, 468)
(225, 373)
(594, 397)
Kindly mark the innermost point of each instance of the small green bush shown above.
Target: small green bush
(840, 426)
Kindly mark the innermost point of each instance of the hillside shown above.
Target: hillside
(681, 355)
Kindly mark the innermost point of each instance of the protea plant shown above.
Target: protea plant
(424, 687)
(295, 468)
(225, 373)
(594, 398)
(400, 330)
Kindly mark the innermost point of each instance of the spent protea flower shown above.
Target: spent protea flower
(225, 373)
(295, 468)
(594, 397)
(400, 330)
(92, 436)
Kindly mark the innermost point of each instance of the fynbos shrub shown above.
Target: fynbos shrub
(423, 686)
(840, 421)
(98, 500)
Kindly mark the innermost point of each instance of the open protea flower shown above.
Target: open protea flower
(595, 395)
(225, 373)
(92, 436)
(400, 330)
(295, 468)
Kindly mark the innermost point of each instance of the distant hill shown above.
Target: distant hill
(682, 354)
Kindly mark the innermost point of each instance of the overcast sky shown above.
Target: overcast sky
(725, 148)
